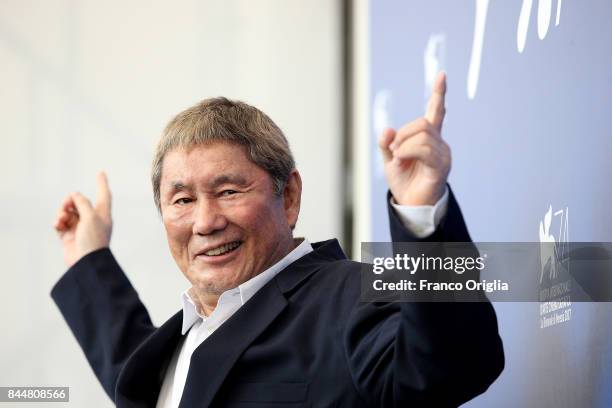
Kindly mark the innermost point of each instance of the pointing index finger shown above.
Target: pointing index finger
(103, 196)
(435, 107)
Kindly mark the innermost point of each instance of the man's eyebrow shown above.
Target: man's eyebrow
(177, 186)
(227, 179)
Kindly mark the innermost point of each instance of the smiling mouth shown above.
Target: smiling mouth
(223, 249)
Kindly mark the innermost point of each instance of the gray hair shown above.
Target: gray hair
(224, 120)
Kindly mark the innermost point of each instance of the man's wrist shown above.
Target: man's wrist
(422, 220)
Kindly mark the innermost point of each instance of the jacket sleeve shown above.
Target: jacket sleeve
(104, 313)
(424, 353)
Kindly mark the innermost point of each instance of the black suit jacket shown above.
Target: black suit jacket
(303, 340)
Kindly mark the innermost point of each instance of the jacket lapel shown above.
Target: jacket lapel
(212, 361)
(140, 380)
(214, 358)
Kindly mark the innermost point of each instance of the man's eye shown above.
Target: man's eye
(183, 200)
(228, 192)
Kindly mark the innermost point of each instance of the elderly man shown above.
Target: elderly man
(270, 320)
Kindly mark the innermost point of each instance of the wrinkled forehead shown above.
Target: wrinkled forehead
(209, 164)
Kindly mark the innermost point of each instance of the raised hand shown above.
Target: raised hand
(417, 160)
(82, 227)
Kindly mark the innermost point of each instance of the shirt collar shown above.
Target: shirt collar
(245, 290)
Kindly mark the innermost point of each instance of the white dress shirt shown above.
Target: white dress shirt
(420, 220)
(198, 327)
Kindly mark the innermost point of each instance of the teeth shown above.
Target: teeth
(222, 249)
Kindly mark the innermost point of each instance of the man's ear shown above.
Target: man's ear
(292, 196)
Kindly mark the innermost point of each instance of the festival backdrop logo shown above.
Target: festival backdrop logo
(555, 285)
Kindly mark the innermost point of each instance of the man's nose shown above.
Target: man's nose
(208, 218)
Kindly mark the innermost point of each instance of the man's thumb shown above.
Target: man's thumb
(383, 143)
(82, 204)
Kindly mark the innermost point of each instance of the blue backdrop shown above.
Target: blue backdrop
(528, 112)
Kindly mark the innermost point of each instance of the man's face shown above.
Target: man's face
(223, 221)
